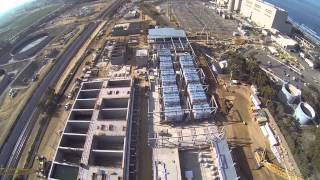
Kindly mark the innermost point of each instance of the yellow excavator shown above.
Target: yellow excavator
(260, 156)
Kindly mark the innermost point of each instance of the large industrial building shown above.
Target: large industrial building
(266, 15)
(95, 143)
(179, 95)
(181, 81)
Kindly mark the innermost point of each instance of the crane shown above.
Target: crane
(260, 156)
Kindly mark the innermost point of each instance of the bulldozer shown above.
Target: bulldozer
(261, 158)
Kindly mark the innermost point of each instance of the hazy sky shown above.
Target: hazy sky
(6, 5)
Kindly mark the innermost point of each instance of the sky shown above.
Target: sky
(6, 5)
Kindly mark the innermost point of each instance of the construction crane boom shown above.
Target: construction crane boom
(260, 156)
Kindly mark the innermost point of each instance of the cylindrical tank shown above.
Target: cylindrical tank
(289, 93)
(304, 113)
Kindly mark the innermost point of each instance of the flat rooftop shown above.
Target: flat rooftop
(166, 33)
(167, 164)
(224, 160)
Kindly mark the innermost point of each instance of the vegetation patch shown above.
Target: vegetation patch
(307, 156)
(23, 22)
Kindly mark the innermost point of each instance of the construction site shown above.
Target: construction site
(96, 137)
(140, 101)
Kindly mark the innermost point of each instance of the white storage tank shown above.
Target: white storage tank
(304, 113)
(289, 93)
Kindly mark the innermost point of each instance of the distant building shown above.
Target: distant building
(266, 15)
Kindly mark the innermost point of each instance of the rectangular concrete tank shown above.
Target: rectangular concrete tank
(83, 115)
(112, 114)
(115, 103)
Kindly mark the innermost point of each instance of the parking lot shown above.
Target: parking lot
(195, 16)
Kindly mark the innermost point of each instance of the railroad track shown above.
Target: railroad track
(11, 150)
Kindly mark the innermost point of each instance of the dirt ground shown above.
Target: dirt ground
(144, 151)
(77, 57)
(244, 139)
(10, 107)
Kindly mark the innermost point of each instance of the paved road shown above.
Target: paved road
(11, 150)
(280, 70)
(286, 73)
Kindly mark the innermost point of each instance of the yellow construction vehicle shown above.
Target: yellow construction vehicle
(260, 156)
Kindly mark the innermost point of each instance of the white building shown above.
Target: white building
(266, 15)
(284, 41)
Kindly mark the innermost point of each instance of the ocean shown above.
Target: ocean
(305, 12)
